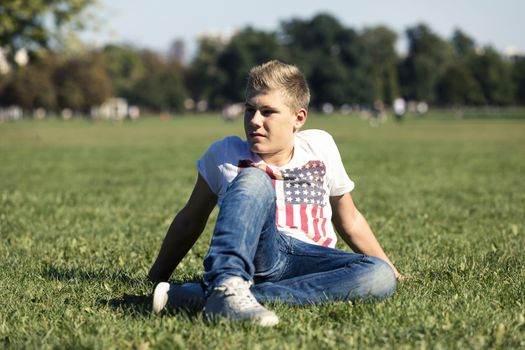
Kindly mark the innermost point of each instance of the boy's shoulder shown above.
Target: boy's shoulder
(229, 141)
(316, 138)
(318, 143)
(314, 134)
(229, 148)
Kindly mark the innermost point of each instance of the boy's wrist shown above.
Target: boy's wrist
(154, 277)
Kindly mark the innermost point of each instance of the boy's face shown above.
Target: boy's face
(270, 125)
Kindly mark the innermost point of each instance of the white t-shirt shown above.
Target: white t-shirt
(302, 187)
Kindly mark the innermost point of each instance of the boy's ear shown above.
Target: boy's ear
(300, 118)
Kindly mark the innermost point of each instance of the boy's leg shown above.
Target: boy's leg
(246, 243)
(316, 274)
(324, 276)
(245, 237)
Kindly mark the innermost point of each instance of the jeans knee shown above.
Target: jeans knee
(381, 280)
(257, 182)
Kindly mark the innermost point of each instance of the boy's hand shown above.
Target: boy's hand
(403, 278)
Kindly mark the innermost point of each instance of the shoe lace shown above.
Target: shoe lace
(242, 296)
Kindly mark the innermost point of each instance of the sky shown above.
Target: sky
(156, 24)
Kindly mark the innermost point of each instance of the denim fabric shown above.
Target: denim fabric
(246, 243)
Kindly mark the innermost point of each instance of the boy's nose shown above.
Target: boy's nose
(256, 119)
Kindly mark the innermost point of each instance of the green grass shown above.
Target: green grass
(84, 207)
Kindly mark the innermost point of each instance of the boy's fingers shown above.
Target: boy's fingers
(403, 277)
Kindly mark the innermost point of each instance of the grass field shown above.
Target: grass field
(84, 207)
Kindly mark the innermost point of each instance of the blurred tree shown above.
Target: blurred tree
(321, 33)
(83, 82)
(308, 40)
(518, 75)
(494, 76)
(174, 89)
(382, 62)
(428, 57)
(162, 87)
(247, 48)
(31, 86)
(147, 92)
(359, 88)
(125, 68)
(462, 44)
(4, 80)
(203, 77)
(333, 59)
(177, 51)
(457, 87)
(328, 79)
(31, 24)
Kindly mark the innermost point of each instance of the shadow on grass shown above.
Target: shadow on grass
(68, 274)
(141, 305)
(130, 304)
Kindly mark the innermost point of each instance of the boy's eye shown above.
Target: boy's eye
(267, 112)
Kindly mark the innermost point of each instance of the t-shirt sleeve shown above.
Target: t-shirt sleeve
(338, 181)
(208, 166)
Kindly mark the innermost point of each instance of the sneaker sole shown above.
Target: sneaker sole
(267, 321)
(160, 297)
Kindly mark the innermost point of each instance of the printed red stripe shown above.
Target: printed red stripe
(289, 216)
(327, 242)
(270, 173)
(304, 219)
(323, 223)
(315, 223)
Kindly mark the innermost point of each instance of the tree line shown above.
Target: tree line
(341, 64)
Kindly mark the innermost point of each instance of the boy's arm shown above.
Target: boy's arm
(354, 229)
(183, 231)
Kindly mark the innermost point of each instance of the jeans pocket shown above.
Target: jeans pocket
(274, 273)
(285, 243)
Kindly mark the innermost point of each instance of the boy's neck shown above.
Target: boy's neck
(278, 159)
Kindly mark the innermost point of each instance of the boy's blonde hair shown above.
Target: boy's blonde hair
(288, 79)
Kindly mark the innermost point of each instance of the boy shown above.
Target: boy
(277, 192)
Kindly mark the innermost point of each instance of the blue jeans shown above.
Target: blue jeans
(246, 243)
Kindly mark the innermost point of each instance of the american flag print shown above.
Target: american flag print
(301, 197)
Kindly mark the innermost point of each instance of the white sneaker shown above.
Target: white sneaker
(188, 297)
(233, 299)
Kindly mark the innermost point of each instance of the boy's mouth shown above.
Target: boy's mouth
(256, 134)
